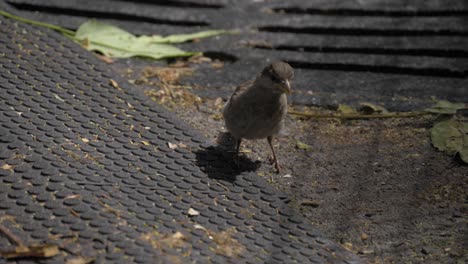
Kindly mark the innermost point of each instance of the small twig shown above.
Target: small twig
(359, 116)
(12, 237)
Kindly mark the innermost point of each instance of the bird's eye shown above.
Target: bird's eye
(274, 78)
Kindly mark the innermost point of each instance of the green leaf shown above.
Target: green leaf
(118, 43)
(369, 108)
(345, 109)
(302, 145)
(451, 137)
(445, 107)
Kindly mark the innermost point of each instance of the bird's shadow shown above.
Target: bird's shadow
(221, 161)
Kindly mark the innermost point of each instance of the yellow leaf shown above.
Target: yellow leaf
(346, 109)
(79, 260)
(40, 251)
(114, 84)
(302, 145)
(193, 212)
(6, 167)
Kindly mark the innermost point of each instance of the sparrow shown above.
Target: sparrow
(257, 108)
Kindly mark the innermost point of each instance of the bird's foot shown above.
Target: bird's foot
(237, 161)
(275, 162)
(278, 167)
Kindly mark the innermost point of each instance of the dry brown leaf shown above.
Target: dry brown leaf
(79, 260)
(168, 75)
(348, 246)
(178, 145)
(39, 251)
(171, 145)
(226, 244)
(105, 59)
(73, 196)
(364, 236)
(309, 202)
(198, 59)
(218, 102)
(193, 212)
(217, 65)
(176, 240)
(6, 167)
(114, 84)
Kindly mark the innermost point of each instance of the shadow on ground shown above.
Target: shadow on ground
(221, 162)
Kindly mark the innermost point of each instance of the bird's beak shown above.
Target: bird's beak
(286, 87)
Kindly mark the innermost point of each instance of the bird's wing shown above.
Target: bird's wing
(241, 89)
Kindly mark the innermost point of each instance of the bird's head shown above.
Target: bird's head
(278, 76)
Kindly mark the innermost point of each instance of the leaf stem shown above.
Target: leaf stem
(359, 116)
(66, 32)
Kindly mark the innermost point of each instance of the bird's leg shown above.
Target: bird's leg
(275, 160)
(238, 143)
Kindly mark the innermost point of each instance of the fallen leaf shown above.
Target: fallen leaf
(56, 97)
(193, 212)
(218, 102)
(225, 243)
(197, 226)
(245, 150)
(115, 42)
(114, 84)
(6, 167)
(368, 108)
(85, 140)
(365, 251)
(345, 109)
(217, 65)
(39, 251)
(171, 145)
(182, 145)
(176, 240)
(105, 59)
(79, 260)
(302, 145)
(287, 176)
(73, 196)
(348, 246)
(168, 75)
(445, 107)
(451, 137)
(364, 236)
(146, 143)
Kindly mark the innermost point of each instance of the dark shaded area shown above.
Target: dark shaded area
(183, 4)
(105, 15)
(221, 163)
(433, 72)
(353, 31)
(442, 53)
(370, 12)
